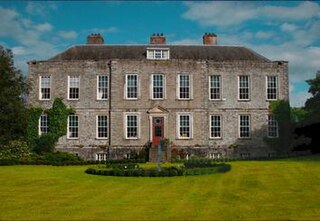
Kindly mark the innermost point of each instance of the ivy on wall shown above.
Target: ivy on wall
(58, 119)
(281, 111)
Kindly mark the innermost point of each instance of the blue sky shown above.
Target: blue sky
(278, 30)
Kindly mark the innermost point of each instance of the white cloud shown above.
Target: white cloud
(187, 41)
(103, 30)
(288, 27)
(28, 37)
(44, 27)
(220, 13)
(305, 10)
(68, 34)
(264, 34)
(19, 50)
(40, 8)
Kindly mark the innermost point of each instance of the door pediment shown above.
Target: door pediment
(157, 110)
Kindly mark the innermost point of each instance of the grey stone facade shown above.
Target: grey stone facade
(199, 106)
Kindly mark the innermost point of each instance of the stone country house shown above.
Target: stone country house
(209, 100)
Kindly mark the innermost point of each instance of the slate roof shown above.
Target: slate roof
(195, 52)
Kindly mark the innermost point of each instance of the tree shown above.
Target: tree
(312, 104)
(13, 115)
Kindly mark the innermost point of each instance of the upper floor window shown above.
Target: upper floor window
(215, 87)
(272, 126)
(132, 126)
(102, 89)
(102, 126)
(73, 127)
(184, 125)
(45, 87)
(244, 126)
(158, 86)
(43, 124)
(184, 86)
(215, 126)
(244, 87)
(272, 87)
(131, 86)
(158, 53)
(73, 87)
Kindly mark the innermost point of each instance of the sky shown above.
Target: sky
(279, 30)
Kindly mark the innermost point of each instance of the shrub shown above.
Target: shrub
(45, 143)
(16, 150)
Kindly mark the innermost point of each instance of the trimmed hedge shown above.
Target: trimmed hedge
(153, 172)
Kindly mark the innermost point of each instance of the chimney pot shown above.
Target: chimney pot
(209, 39)
(95, 39)
(158, 39)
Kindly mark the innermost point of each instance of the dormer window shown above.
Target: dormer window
(158, 53)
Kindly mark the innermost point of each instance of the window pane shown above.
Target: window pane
(272, 86)
(184, 86)
(158, 87)
(73, 126)
(45, 87)
(132, 86)
(215, 87)
(132, 126)
(216, 126)
(102, 126)
(184, 126)
(244, 126)
(102, 87)
(74, 84)
(244, 87)
(44, 124)
(272, 126)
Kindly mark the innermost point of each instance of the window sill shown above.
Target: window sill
(218, 100)
(44, 99)
(215, 138)
(244, 138)
(101, 138)
(184, 138)
(184, 99)
(132, 138)
(102, 99)
(270, 100)
(73, 138)
(73, 99)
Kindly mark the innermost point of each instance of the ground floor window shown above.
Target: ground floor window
(102, 126)
(132, 126)
(44, 124)
(244, 126)
(215, 126)
(272, 126)
(73, 127)
(101, 156)
(184, 125)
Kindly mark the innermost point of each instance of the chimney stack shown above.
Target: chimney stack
(158, 39)
(95, 39)
(209, 39)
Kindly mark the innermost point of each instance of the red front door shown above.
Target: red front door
(157, 130)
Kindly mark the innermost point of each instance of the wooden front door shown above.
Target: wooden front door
(157, 130)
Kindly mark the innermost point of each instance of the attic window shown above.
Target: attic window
(158, 53)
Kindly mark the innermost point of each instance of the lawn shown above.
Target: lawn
(252, 190)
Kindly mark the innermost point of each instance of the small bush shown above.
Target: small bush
(16, 150)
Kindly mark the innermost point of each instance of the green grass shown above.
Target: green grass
(252, 190)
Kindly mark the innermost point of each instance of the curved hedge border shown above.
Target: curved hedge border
(153, 172)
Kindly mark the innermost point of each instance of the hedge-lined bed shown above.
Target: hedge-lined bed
(198, 167)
